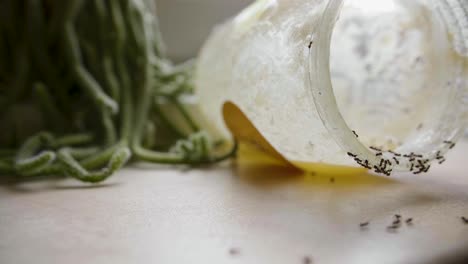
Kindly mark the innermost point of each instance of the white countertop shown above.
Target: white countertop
(148, 214)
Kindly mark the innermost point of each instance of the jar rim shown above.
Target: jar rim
(320, 85)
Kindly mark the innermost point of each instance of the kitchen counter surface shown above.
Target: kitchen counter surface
(235, 214)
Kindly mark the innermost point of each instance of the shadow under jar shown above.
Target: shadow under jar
(381, 84)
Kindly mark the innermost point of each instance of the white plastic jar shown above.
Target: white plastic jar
(382, 84)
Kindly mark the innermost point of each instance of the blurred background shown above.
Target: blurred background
(185, 24)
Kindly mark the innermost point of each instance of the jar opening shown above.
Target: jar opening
(386, 77)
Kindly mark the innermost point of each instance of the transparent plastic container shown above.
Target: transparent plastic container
(379, 84)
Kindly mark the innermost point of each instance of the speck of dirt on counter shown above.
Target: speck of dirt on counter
(234, 251)
(307, 260)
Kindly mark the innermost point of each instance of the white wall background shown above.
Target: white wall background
(186, 23)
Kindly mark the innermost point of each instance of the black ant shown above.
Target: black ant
(465, 220)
